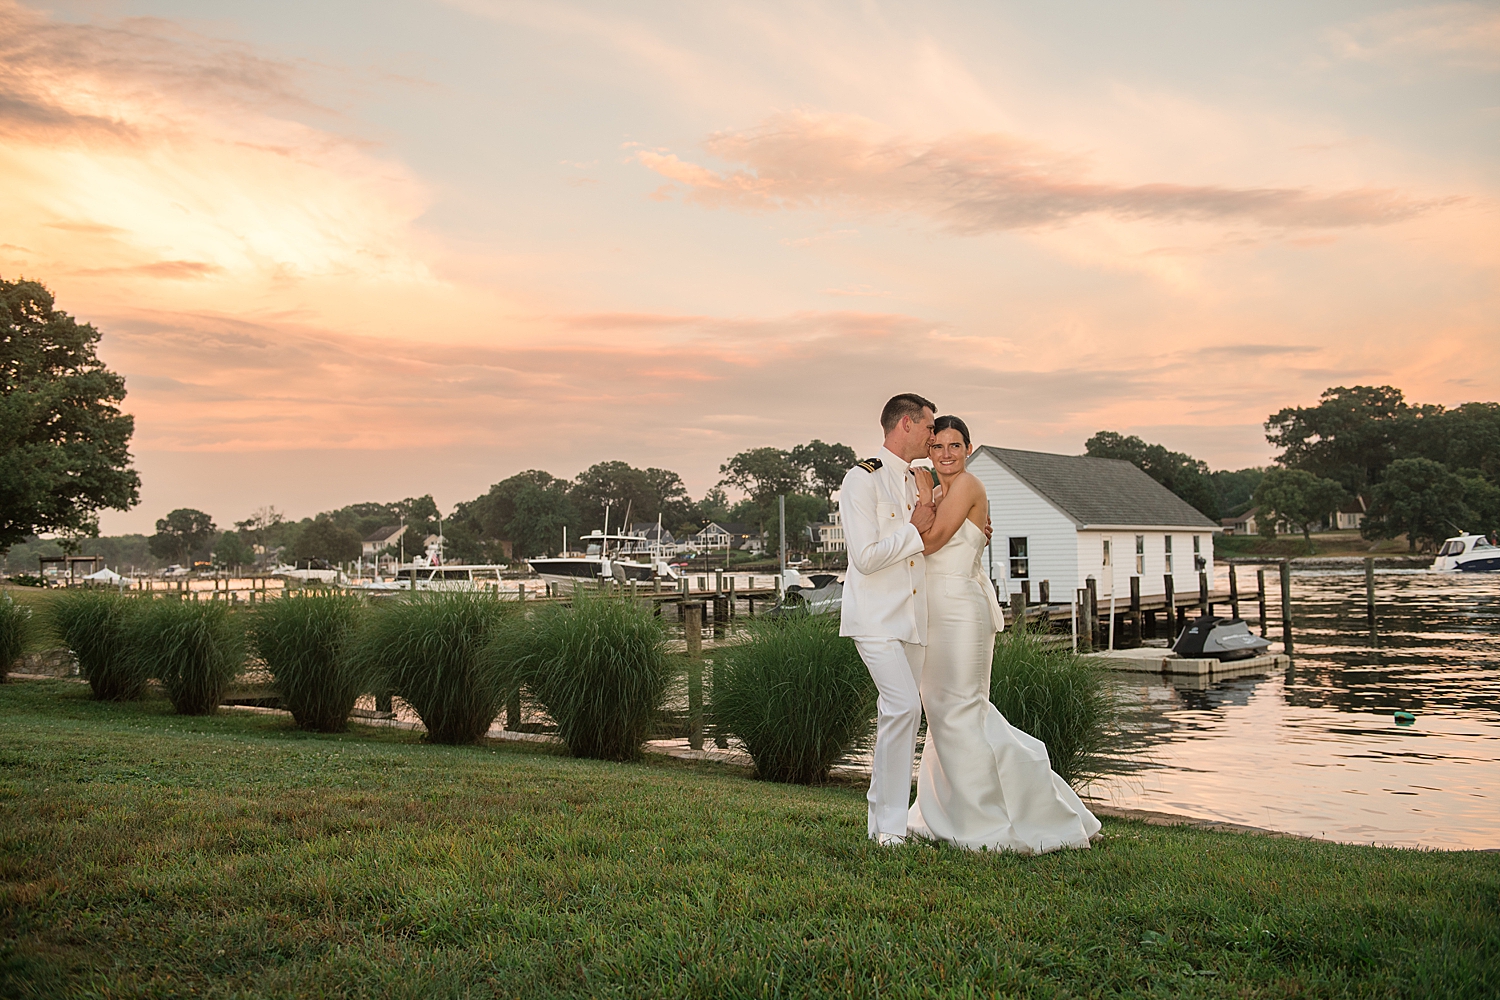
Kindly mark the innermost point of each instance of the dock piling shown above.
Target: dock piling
(1260, 596)
(1171, 602)
(1286, 606)
(1234, 593)
(1370, 590)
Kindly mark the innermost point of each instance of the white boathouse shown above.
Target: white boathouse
(1065, 518)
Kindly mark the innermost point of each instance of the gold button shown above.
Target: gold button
(914, 590)
(911, 562)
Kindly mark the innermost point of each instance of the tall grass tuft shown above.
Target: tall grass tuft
(305, 643)
(196, 649)
(796, 693)
(598, 668)
(430, 650)
(1057, 696)
(95, 625)
(15, 630)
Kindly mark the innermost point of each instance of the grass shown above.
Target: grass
(94, 624)
(597, 666)
(304, 642)
(1059, 697)
(144, 854)
(195, 648)
(1325, 543)
(429, 649)
(15, 632)
(796, 693)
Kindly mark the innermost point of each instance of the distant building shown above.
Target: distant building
(727, 535)
(1351, 515)
(828, 536)
(1066, 518)
(1240, 524)
(380, 539)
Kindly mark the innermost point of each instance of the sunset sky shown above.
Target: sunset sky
(361, 251)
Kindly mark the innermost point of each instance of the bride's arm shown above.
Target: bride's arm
(957, 502)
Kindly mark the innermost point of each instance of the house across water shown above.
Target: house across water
(1066, 518)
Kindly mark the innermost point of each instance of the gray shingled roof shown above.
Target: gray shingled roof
(1100, 491)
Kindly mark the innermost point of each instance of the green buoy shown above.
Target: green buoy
(1405, 718)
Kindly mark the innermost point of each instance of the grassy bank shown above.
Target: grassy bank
(1325, 543)
(148, 854)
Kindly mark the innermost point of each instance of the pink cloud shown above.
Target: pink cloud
(976, 182)
(1461, 35)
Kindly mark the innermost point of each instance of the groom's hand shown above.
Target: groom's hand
(923, 516)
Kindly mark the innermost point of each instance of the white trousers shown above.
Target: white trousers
(896, 667)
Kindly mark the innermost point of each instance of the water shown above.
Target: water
(1315, 749)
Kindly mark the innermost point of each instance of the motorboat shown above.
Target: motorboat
(1467, 553)
(814, 593)
(619, 557)
(455, 578)
(1219, 639)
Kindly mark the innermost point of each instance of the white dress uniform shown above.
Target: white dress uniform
(885, 612)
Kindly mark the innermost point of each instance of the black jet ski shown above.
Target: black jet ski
(1220, 639)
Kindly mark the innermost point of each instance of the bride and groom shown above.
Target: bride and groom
(924, 616)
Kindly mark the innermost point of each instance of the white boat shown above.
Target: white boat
(618, 557)
(308, 575)
(454, 578)
(1467, 553)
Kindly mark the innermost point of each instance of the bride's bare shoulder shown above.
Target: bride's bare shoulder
(969, 483)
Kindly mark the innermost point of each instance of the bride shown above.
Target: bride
(982, 784)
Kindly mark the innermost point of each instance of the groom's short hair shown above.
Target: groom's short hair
(908, 404)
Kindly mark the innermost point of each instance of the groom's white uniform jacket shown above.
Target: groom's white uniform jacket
(885, 588)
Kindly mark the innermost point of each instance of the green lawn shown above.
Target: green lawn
(146, 854)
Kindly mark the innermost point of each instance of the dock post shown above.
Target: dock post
(1171, 602)
(1135, 610)
(731, 597)
(1260, 595)
(692, 626)
(1073, 617)
(1093, 612)
(1203, 593)
(1286, 607)
(1018, 609)
(1044, 593)
(1026, 591)
(1370, 590)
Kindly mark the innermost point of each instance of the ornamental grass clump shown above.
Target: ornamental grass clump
(1057, 696)
(305, 643)
(196, 649)
(430, 650)
(15, 630)
(95, 625)
(598, 667)
(796, 694)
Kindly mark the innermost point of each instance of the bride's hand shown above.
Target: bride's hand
(924, 485)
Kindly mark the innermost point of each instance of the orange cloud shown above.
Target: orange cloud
(977, 182)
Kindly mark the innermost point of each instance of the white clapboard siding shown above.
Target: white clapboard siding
(1017, 510)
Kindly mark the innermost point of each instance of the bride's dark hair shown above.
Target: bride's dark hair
(953, 423)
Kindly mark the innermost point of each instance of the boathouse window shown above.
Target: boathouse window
(1169, 555)
(1106, 552)
(1199, 563)
(1020, 565)
(1140, 554)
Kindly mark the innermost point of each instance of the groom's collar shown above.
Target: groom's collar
(896, 461)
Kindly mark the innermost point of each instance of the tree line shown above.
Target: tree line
(1424, 471)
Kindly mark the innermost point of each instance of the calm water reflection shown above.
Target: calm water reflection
(1315, 750)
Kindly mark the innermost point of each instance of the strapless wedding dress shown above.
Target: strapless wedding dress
(983, 783)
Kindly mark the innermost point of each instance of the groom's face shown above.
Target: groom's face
(917, 434)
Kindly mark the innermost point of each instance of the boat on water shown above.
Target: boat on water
(454, 578)
(1467, 553)
(617, 557)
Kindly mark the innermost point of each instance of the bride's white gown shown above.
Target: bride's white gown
(982, 783)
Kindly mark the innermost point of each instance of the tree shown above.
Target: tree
(823, 465)
(1482, 497)
(669, 497)
(713, 507)
(529, 510)
(1297, 498)
(762, 474)
(1351, 435)
(324, 539)
(1419, 498)
(182, 534)
(64, 444)
(802, 510)
(233, 551)
(259, 528)
(1183, 474)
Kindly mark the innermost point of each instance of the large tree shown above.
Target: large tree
(823, 465)
(529, 510)
(64, 444)
(325, 539)
(183, 534)
(1419, 498)
(1351, 435)
(763, 474)
(1296, 498)
(1183, 474)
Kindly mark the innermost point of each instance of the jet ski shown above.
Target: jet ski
(1222, 639)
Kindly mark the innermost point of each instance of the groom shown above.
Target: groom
(885, 599)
